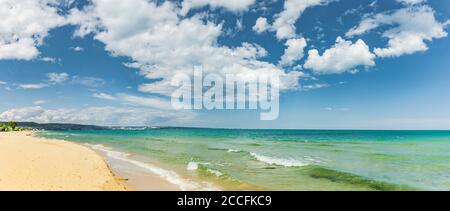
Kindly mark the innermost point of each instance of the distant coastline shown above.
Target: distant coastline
(69, 126)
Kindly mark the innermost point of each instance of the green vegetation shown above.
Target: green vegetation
(10, 126)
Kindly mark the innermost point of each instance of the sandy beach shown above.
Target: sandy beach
(31, 163)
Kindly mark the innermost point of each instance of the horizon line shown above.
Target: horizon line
(225, 128)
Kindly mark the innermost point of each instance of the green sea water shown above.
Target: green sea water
(202, 159)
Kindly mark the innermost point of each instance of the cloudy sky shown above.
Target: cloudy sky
(360, 64)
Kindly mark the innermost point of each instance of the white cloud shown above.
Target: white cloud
(232, 5)
(3, 83)
(24, 25)
(284, 24)
(77, 49)
(88, 81)
(239, 25)
(62, 78)
(261, 25)
(153, 102)
(103, 96)
(57, 78)
(49, 59)
(409, 28)
(32, 86)
(411, 2)
(294, 51)
(309, 87)
(337, 109)
(109, 116)
(39, 102)
(344, 56)
(161, 43)
(85, 19)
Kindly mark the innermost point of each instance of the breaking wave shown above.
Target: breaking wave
(279, 161)
(170, 176)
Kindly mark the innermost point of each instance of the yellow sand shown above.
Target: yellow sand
(31, 163)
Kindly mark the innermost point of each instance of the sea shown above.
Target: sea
(278, 160)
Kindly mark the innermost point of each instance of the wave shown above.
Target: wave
(279, 161)
(215, 172)
(194, 166)
(224, 149)
(307, 160)
(170, 176)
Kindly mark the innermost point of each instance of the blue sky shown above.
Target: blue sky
(345, 64)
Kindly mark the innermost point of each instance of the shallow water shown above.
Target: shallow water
(205, 159)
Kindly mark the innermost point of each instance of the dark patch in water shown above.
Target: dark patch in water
(347, 178)
(324, 145)
(270, 168)
(381, 156)
(360, 147)
(216, 149)
(255, 145)
(336, 151)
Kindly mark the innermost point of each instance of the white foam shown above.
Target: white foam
(215, 172)
(313, 160)
(192, 166)
(234, 151)
(170, 176)
(279, 161)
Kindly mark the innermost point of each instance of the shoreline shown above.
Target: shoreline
(146, 173)
(138, 179)
(31, 163)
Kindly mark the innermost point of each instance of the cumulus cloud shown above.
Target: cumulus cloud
(108, 116)
(161, 43)
(261, 25)
(3, 83)
(344, 56)
(24, 25)
(409, 29)
(284, 24)
(294, 51)
(232, 5)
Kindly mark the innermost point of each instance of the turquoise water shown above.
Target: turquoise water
(282, 159)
